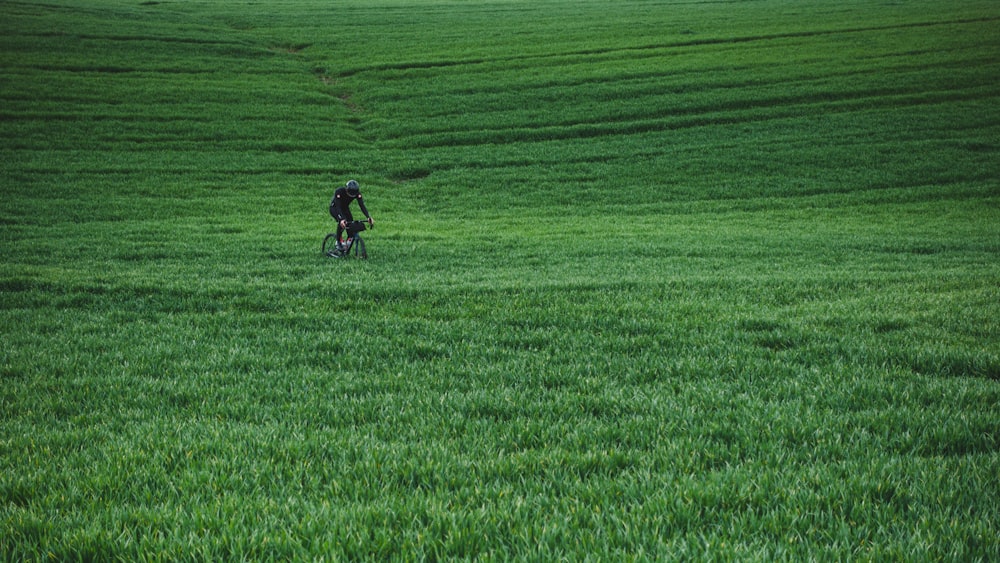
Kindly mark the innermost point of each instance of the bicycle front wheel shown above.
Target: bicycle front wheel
(359, 248)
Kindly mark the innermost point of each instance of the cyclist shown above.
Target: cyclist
(340, 207)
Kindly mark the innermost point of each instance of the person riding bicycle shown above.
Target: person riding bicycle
(340, 207)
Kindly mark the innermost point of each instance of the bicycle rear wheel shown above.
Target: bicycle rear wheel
(330, 245)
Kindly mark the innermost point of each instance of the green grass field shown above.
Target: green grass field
(650, 280)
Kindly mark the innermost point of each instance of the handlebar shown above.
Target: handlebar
(355, 227)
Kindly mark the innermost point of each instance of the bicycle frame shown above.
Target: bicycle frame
(335, 248)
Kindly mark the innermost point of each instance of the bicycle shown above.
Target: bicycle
(334, 248)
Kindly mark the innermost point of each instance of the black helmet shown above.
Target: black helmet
(353, 188)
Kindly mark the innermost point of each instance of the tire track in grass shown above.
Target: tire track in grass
(632, 109)
(620, 77)
(761, 111)
(661, 106)
(533, 59)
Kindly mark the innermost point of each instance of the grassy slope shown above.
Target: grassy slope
(703, 278)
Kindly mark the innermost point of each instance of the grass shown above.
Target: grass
(649, 280)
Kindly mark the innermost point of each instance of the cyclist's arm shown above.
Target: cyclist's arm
(361, 204)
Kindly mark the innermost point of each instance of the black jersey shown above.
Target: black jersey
(340, 205)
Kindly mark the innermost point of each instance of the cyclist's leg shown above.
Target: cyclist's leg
(348, 218)
(333, 213)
